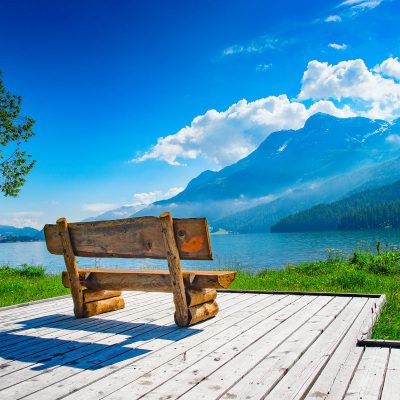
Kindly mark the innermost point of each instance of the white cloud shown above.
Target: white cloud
(256, 46)
(333, 18)
(337, 46)
(22, 219)
(263, 67)
(227, 136)
(345, 89)
(390, 68)
(361, 4)
(378, 97)
(150, 197)
(98, 207)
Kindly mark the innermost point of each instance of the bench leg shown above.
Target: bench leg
(70, 264)
(175, 270)
(201, 305)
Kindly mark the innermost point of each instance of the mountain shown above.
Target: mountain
(262, 217)
(117, 213)
(373, 208)
(6, 230)
(289, 169)
(12, 234)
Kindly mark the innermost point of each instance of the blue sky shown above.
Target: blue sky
(106, 79)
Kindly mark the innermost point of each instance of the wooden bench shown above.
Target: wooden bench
(98, 290)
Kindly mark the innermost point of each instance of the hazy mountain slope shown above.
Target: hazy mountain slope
(324, 148)
(7, 230)
(358, 210)
(259, 219)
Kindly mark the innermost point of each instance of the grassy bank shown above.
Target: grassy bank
(362, 273)
(28, 283)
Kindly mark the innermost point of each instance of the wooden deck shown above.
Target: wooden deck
(274, 346)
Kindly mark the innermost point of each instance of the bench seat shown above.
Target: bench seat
(148, 280)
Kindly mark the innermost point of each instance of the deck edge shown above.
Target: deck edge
(30, 303)
(337, 294)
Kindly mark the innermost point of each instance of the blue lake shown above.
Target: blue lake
(248, 251)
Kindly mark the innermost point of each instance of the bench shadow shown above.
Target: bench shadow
(79, 351)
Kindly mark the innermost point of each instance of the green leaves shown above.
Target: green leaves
(15, 163)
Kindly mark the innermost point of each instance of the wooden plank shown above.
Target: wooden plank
(181, 315)
(133, 238)
(391, 387)
(29, 381)
(70, 263)
(80, 337)
(94, 295)
(148, 280)
(300, 378)
(212, 375)
(151, 377)
(258, 382)
(368, 379)
(33, 342)
(335, 378)
(247, 311)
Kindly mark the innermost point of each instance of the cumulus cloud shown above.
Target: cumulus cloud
(390, 68)
(333, 18)
(379, 96)
(345, 89)
(227, 136)
(337, 46)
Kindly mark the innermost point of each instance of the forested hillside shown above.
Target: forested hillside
(369, 209)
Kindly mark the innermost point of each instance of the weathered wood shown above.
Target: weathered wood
(148, 280)
(195, 297)
(70, 263)
(133, 238)
(391, 388)
(103, 306)
(175, 270)
(202, 312)
(94, 295)
(369, 376)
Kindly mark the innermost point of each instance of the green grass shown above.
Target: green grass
(362, 273)
(28, 283)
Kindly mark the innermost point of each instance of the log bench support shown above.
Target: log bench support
(95, 290)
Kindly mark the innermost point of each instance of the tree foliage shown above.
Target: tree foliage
(15, 130)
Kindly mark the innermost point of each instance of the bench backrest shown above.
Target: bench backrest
(140, 237)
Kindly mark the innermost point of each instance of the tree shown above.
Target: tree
(15, 164)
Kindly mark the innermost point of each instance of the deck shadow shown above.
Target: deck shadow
(82, 353)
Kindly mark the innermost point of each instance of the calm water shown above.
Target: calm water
(249, 251)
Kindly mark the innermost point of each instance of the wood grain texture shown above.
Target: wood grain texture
(202, 312)
(175, 270)
(70, 263)
(103, 306)
(94, 295)
(195, 297)
(133, 238)
(148, 280)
